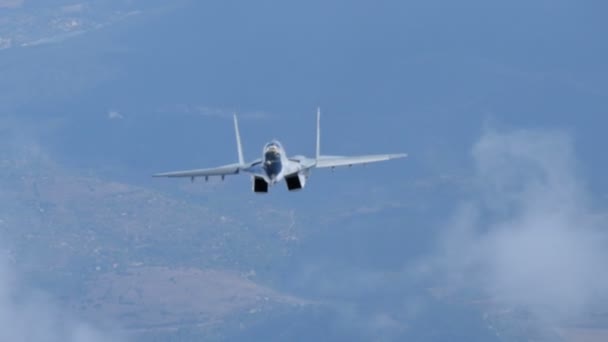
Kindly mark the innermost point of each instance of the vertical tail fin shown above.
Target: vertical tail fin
(318, 152)
(238, 140)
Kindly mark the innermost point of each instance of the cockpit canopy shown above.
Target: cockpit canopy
(272, 151)
(273, 146)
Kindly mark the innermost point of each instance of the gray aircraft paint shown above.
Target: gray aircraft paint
(275, 166)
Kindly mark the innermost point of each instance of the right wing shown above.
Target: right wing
(333, 161)
(230, 169)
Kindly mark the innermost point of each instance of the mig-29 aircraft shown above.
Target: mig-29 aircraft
(275, 165)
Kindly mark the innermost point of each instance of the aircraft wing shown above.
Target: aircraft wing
(224, 170)
(334, 161)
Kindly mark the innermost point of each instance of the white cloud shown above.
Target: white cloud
(113, 115)
(28, 315)
(530, 237)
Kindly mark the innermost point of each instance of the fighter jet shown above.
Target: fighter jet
(275, 166)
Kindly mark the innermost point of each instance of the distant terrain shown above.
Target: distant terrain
(499, 106)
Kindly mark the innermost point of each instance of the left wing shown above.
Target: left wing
(333, 161)
(230, 169)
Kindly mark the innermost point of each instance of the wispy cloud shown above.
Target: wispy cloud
(11, 3)
(74, 8)
(29, 315)
(530, 237)
(115, 115)
(225, 113)
(27, 312)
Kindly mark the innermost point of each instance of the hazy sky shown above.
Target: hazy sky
(500, 105)
(421, 76)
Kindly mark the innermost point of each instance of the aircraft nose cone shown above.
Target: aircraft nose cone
(273, 169)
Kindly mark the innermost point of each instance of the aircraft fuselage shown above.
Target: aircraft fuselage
(275, 166)
(274, 161)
